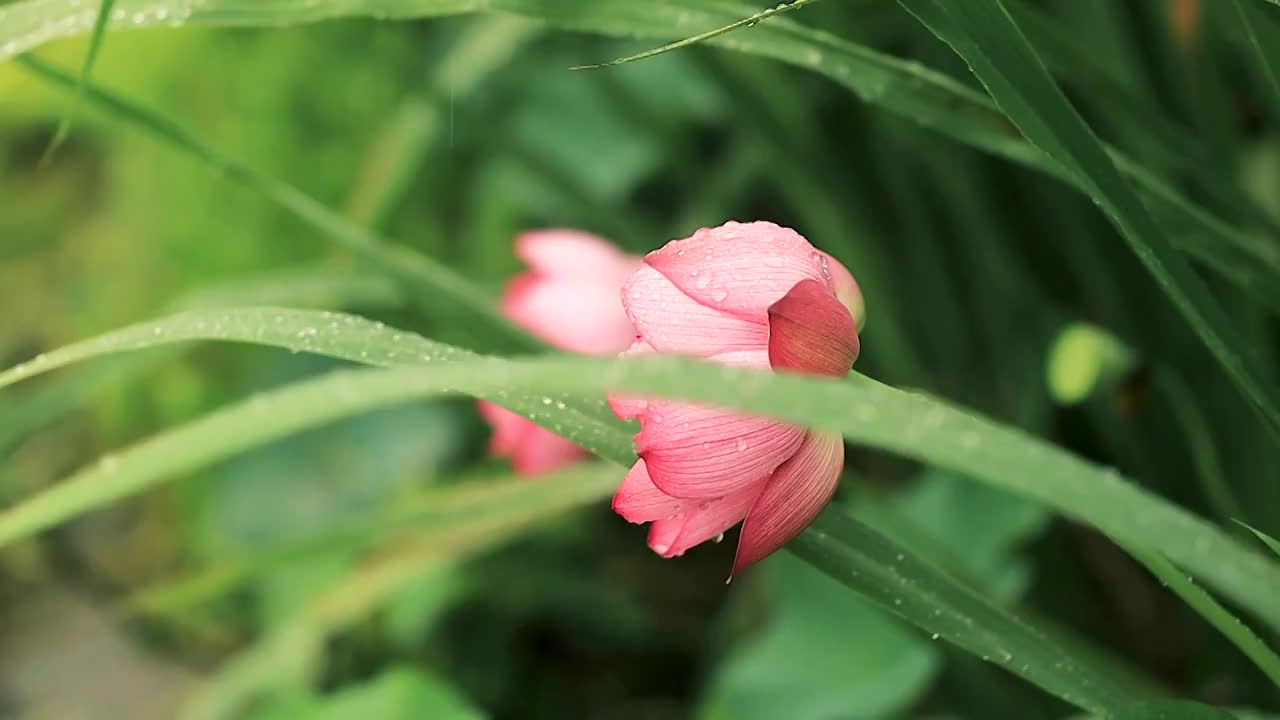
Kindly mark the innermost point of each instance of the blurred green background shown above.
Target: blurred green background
(988, 284)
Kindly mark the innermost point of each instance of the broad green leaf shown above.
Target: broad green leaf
(901, 87)
(988, 39)
(865, 411)
(1211, 610)
(824, 654)
(871, 564)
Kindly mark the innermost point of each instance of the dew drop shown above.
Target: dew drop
(741, 444)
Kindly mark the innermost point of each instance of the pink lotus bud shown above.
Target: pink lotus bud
(753, 295)
(568, 297)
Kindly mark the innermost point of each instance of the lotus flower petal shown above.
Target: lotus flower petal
(533, 449)
(740, 268)
(810, 331)
(672, 537)
(791, 498)
(699, 452)
(639, 500)
(672, 322)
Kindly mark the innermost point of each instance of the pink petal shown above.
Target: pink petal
(847, 291)
(559, 252)
(791, 498)
(543, 451)
(738, 268)
(672, 537)
(639, 500)
(533, 449)
(508, 428)
(811, 332)
(671, 321)
(628, 406)
(698, 452)
(579, 314)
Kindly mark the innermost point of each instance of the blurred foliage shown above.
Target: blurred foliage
(986, 283)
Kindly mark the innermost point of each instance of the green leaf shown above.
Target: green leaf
(863, 410)
(824, 654)
(1263, 37)
(1265, 538)
(342, 336)
(750, 21)
(86, 69)
(989, 40)
(1170, 710)
(904, 88)
(1211, 610)
(871, 564)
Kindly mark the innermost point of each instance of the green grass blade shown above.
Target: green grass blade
(307, 404)
(1265, 538)
(704, 36)
(1200, 443)
(423, 275)
(550, 392)
(874, 566)
(984, 34)
(341, 336)
(86, 69)
(904, 88)
(1263, 38)
(1212, 611)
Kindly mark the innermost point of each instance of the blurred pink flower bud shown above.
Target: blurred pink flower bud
(752, 295)
(568, 297)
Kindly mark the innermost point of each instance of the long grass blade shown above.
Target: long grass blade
(986, 36)
(1245, 258)
(560, 394)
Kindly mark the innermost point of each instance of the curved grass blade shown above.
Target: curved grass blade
(1263, 38)
(863, 410)
(419, 273)
(1212, 611)
(751, 21)
(307, 404)
(90, 57)
(986, 36)
(1265, 538)
(1244, 258)
(338, 335)
(873, 565)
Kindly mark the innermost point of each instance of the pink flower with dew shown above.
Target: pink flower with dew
(752, 295)
(568, 297)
